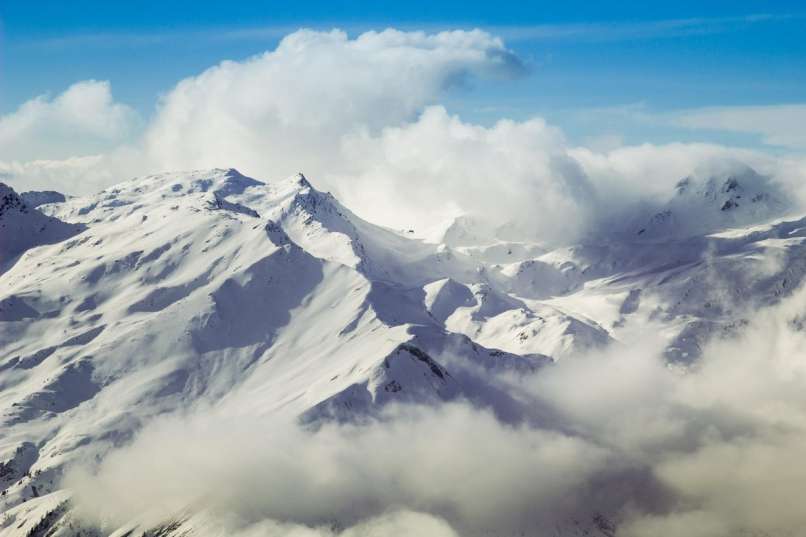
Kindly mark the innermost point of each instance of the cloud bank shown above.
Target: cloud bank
(633, 447)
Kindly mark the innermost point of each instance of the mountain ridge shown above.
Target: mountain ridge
(271, 298)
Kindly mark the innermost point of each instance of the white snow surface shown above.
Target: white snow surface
(261, 298)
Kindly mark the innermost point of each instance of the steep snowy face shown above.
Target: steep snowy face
(23, 227)
(704, 205)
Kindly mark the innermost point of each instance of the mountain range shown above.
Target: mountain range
(177, 290)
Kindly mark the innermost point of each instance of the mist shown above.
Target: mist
(617, 439)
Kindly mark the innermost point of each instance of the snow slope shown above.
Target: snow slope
(209, 287)
(22, 226)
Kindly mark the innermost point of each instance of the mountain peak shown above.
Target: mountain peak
(35, 198)
(707, 204)
(302, 180)
(23, 227)
(11, 202)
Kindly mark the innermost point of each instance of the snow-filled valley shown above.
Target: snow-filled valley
(249, 300)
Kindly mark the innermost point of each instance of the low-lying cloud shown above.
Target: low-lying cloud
(453, 463)
(620, 441)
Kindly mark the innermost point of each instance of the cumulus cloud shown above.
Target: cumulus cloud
(82, 120)
(289, 108)
(526, 172)
(523, 166)
(360, 116)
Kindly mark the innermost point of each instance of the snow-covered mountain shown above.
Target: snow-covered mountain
(35, 198)
(271, 298)
(22, 226)
(704, 204)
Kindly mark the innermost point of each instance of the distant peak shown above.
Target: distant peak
(731, 184)
(10, 201)
(682, 185)
(25, 227)
(5, 189)
(702, 204)
(36, 198)
(302, 181)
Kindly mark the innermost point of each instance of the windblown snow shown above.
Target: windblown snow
(209, 289)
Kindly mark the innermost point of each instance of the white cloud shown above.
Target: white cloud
(714, 452)
(74, 175)
(358, 116)
(83, 120)
(407, 173)
(651, 170)
(419, 460)
(270, 115)
(287, 109)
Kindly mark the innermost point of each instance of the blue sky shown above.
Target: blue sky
(594, 68)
